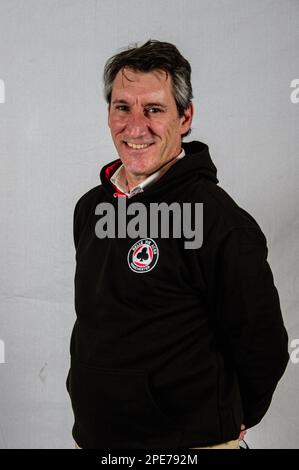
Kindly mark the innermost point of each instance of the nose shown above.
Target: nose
(136, 125)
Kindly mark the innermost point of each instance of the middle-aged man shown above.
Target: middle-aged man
(179, 340)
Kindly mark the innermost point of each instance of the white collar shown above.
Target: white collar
(120, 181)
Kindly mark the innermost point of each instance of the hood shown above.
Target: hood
(196, 163)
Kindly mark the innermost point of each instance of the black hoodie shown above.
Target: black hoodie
(182, 353)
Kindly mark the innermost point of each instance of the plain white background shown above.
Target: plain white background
(54, 140)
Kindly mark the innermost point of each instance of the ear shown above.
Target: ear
(186, 119)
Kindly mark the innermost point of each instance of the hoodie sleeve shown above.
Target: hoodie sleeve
(79, 219)
(76, 225)
(249, 319)
(84, 208)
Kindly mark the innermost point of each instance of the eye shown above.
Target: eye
(153, 110)
(122, 107)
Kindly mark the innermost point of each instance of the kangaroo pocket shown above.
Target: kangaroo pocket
(116, 408)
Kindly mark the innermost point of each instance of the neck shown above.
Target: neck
(134, 180)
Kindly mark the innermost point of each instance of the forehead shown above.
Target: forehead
(128, 81)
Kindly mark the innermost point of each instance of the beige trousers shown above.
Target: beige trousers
(226, 445)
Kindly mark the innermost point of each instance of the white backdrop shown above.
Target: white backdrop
(54, 140)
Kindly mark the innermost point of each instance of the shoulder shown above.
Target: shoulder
(219, 205)
(89, 198)
(229, 231)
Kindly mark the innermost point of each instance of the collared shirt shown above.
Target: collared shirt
(119, 178)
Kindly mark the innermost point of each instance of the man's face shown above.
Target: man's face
(144, 122)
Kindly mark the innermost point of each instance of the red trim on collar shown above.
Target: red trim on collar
(109, 172)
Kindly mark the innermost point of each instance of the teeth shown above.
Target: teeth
(138, 146)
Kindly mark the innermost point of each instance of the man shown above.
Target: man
(175, 345)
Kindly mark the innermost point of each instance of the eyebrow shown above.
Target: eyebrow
(160, 105)
(119, 101)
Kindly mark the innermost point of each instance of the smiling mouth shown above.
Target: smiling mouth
(137, 146)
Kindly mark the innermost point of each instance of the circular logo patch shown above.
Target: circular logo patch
(143, 255)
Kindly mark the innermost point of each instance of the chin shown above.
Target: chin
(139, 171)
(139, 165)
